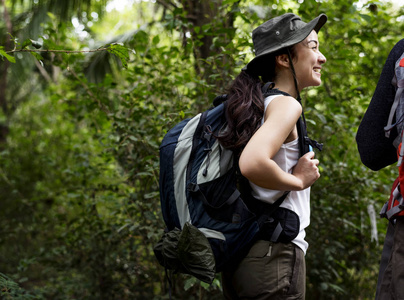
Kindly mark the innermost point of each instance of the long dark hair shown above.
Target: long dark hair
(244, 111)
(245, 103)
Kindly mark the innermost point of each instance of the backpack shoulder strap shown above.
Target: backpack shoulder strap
(305, 143)
(219, 100)
(397, 108)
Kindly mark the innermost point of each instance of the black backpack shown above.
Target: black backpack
(211, 221)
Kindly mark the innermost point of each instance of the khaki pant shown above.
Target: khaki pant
(269, 271)
(392, 283)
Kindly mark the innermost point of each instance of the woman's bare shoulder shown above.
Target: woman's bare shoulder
(284, 105)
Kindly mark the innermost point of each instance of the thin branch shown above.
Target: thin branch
(56, 51)
(43, 71)
(166, 5)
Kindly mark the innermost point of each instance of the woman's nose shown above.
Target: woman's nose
(322, 58)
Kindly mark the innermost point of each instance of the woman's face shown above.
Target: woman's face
(308, 61)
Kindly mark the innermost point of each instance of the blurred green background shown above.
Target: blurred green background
(80, 131)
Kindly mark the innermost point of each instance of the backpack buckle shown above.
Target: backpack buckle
(314, 143)
(383, 211)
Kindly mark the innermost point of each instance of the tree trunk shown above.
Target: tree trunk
(4, 65)
(200, 13)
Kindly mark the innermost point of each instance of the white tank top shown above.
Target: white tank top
(297, 201)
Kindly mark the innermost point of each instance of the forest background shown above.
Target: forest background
(88, 88)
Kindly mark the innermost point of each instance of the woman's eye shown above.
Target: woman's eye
(313, 45)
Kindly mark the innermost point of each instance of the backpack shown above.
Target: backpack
(211, 223)
(394, 207)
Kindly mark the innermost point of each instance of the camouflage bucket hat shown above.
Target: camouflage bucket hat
(281, 32)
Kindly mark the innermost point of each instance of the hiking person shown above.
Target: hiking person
(264, 132)
(378, 151)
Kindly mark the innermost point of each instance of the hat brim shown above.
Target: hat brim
(294, 39)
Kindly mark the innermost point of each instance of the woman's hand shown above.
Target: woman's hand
(306, 170)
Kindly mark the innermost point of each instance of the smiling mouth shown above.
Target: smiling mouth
(317, 70)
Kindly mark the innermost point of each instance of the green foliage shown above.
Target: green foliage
(121, 52)
(9, 289)
(3, 55)
(79, 168)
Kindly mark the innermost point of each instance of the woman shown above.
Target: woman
(264, 133)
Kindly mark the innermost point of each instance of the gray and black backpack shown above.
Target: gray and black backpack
(210, 223)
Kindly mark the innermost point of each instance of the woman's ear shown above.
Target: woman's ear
(282, 60)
